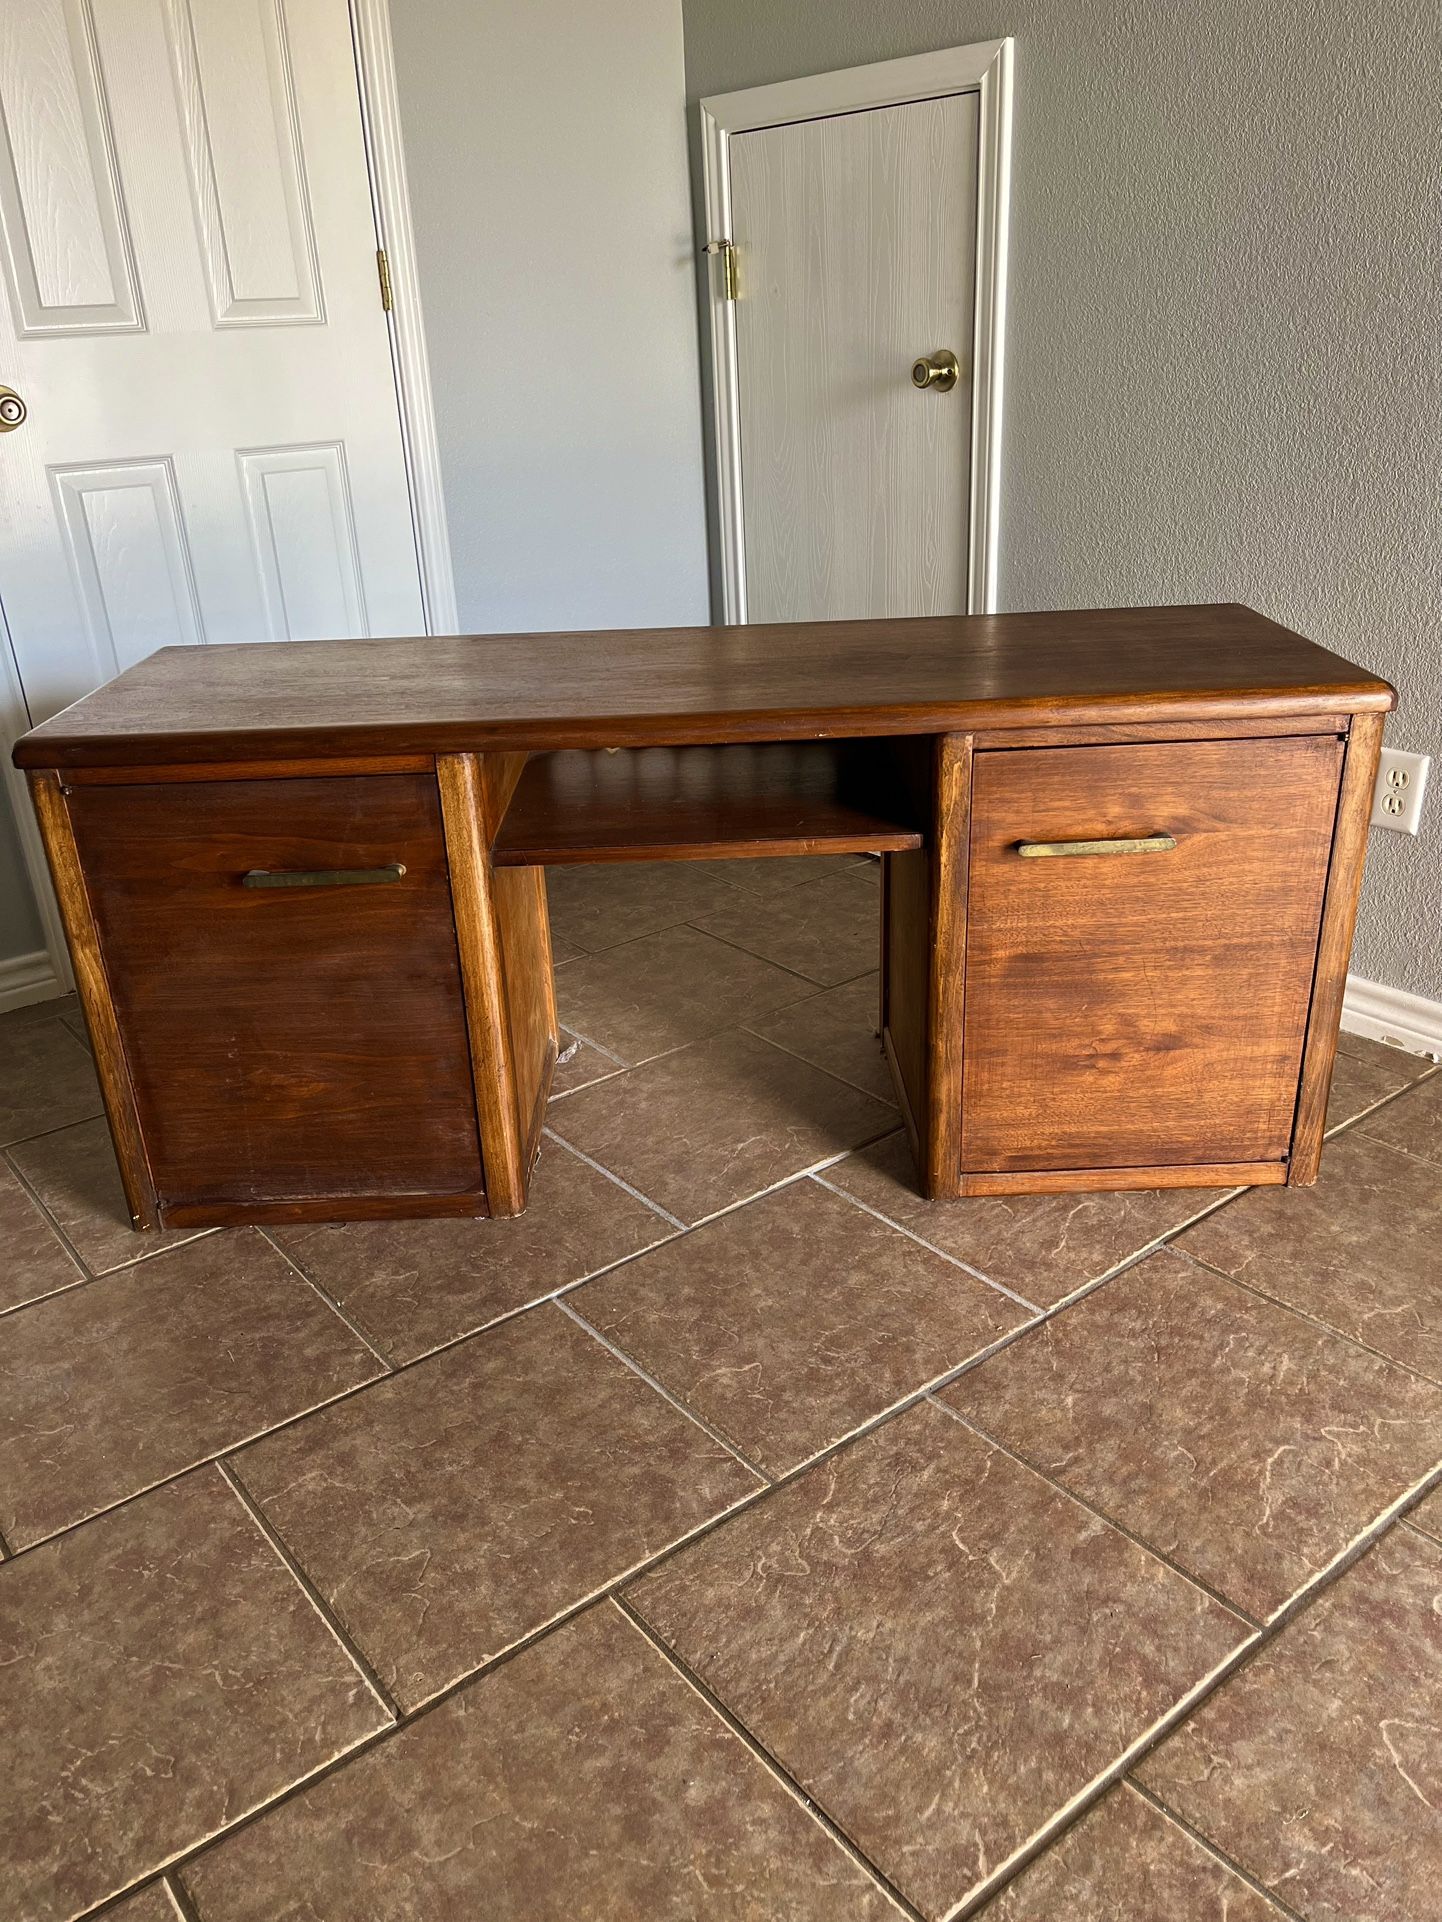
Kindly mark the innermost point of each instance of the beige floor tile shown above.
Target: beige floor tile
(109, 1388)
(584, 1779)
(164, 1675)
(837, 1031)
(449, 1512)
(74, 1173)
(674, 986)
(1041, 1246)
(791, 1321)
(1413, 1124)
(1248, 1444)
(413, 1285)
(1125, 1861)
(598, 905)
(47, 1078)
(32, 1261)
(939, 1647)
(1362, 1250)
(828, 930)
(711, 1124)
(1318, 1767)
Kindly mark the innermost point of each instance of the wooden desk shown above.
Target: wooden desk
(303, 888)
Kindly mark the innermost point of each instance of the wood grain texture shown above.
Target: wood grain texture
(525, 931)
(857, 253)
(1143, 1009)
(705, 803)
(93, 986)
(1205, 730)
(296, 1044)
(472, 800)
(947, 967)
(1065, 1181)
(808, 680)
(251, 770)
(1334, 947)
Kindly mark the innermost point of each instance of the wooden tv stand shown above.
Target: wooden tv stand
(303, 888)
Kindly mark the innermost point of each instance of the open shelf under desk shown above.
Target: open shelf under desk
(708, 803)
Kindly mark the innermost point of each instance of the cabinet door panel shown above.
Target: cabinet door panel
(1147, 1009)
(288, 1042)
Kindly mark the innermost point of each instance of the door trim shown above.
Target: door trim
(985, 69)
(391, 201)
(410, 363)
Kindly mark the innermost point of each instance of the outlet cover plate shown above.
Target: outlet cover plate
(1401, 784)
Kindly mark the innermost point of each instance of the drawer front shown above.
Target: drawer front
(285, 1042)
(1142, 1009)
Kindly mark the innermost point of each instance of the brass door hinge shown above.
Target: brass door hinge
(383, 268)
(727, 251)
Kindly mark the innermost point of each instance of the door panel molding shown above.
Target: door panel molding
(985, 69)
(252, 210)
(63, 231)
(298, 503)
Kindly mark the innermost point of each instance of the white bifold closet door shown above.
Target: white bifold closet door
(856, 255)
(191, 315)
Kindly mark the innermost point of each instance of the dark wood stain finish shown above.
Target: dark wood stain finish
(386, 1050)
(290, 1044)
(805, 680)
(1119, 1005)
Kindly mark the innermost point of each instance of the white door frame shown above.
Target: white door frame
(391, 204)
(984, 69)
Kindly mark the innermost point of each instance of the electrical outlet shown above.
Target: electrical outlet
(1401, 783)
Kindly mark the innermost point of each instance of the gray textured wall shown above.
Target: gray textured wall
(545, 141)
(1224, 356)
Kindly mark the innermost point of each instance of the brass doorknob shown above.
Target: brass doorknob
(941, 371)
(12, 410)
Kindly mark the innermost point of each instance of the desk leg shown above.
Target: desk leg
(504, 936)
(923, 969)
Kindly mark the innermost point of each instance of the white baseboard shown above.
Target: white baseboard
(29, 977)
(1389, 1014)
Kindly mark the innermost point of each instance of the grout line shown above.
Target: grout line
(317, 1601)
(779, 1773)
(611, 1175)
(922, 1242)
(661, 1389)
(1305, 1315)
(797, 1055)
(179, 1895)
(1217, 1853)
(1301, 1600)
(588, 1042)
(331, 1301)
(815, 987)
(1374, 1107)
(810, 1172)
(43, 1134)
(1138, 1541)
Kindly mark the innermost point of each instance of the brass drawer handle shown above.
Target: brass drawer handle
(321, 877)
(1145, 844)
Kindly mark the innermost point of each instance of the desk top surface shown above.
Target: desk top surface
(298, 700)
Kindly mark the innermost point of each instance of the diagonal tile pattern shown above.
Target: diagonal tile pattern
(165, 1674)
(789, 1323)
(1319, 1766)
(582, 1779)
(1249, 1445)
(929, 1635)
(939, 1647)
(462, 1505)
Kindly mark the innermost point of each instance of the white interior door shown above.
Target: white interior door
(856, 256)
(192, 317)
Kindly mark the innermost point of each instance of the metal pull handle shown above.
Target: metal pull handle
(941, 371)
(321, 877)
(1143, 844)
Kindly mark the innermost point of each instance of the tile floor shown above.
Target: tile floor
(736, 1535)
